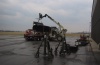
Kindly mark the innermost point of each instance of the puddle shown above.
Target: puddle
(6, 53)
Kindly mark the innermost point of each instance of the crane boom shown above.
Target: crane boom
(62, 31)
(55, 22)
(40, 17)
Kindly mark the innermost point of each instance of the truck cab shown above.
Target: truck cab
(28, 35)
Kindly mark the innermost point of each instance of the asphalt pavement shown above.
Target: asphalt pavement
(15, 50)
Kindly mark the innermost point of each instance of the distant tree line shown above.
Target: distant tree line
(9, 31)
(80, 32)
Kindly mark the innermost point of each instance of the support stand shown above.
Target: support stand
(46, 48)
(65, 48)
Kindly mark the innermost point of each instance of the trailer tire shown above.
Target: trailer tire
(59, 38)
(26, 38)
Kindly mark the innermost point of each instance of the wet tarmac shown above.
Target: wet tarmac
(14, 50)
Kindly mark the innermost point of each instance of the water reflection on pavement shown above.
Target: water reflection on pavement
(14, 50)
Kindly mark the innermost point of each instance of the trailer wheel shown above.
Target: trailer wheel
(40, 39)
(26, 38)
(59, 38)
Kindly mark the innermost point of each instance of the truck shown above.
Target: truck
(60, 32)
(39, 30)
(31, 34)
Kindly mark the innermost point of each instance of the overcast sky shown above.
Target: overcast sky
(74, 15)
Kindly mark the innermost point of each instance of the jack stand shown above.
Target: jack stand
(65, 48)
(46, 48)
(56, 49)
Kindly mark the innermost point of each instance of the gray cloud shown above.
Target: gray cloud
(19, 14)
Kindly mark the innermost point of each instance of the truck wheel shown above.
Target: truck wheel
(39, 39)
(27, 39)
(32, 38)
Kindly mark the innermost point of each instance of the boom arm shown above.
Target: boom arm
(40, 17)
(62, 29)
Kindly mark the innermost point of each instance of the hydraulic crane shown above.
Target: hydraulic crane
(62, 31)
(65, 48)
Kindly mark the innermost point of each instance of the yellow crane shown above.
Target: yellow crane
(62, 31)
